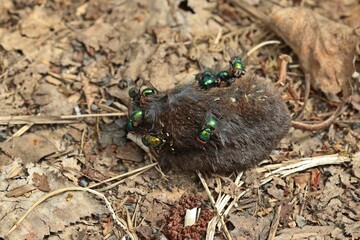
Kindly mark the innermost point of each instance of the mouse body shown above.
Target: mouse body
(221, 129)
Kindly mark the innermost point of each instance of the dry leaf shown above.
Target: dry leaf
(307, 232)
(19, 191)
(39, 23)
(52, 102)
(249, 227)
(29, 148)
(325, 48)
(41, 181)
(130, 152)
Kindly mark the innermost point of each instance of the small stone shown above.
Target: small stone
(300, 221)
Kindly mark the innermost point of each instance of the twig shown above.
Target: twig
(260, 45)
(137, 141)
(226, 231)
(8, 120)
(218, 36)
(306, 97)
(322, 125)
(125, 174)
(275, 224)
(291, 87)
(20, 132)
(121, 181)
(285, 60)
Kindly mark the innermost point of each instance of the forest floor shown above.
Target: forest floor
(62, 58)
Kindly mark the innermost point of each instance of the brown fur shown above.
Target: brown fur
(252, 119)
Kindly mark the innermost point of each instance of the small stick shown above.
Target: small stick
(20, 132)
(7, 120)
(306, 97)
(260, 45)
(322, 125)
(125, 174)
(218, 37)
(275, 224)
(285, 60)
(291, 88)
(120, 181)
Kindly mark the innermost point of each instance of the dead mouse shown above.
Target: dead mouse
(212, 128)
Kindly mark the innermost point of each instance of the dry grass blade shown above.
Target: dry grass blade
(275, 224)
(131, 173)
(306, 163)
(20, 132)
(12, 120)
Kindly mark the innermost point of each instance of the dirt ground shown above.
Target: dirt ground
(61, 58)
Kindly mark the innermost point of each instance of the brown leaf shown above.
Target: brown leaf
(276, 192)
(52, 102)
(331, 189)
(41, 181)
(39, 22)
(325, 48)
(307, 232)
(249, 227)
(29, 148)
(130, 152)
(353, 19)
(16, 192)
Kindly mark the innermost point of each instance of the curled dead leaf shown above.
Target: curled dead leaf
(325, 48)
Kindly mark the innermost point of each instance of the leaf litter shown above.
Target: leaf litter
(62, 58)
